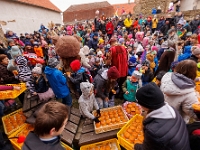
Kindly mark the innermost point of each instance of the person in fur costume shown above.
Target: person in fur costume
(68, 48)
(87, 102)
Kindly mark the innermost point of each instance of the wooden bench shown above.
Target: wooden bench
(88, 135)
(71, 128)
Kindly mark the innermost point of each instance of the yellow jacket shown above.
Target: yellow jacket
(154, 23)
(128, 23)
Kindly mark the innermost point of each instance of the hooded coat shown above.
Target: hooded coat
(87, 101)
(57, 81)
(119, 59)
(164, 129)
(101, 83)
(187, 53)
(179, 92)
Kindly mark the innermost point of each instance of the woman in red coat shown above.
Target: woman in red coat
(118, 57)
(109, 29)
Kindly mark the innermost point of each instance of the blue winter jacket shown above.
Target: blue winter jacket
(57, 81)
(186, 55)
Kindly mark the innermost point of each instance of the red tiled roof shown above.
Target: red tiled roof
(41, 3)
(127, 7)
(88, 6)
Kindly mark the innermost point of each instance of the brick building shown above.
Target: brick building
(87, 11)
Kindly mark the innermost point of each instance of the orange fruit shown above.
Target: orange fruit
(113, 120)
(107, 147)
(134, 134)
(129, 105)
(110, 112)
(116, 115)
(132, 128)
(133, 109)
(141, 138)
(98, 125)
(129, 131)
(111, 116)
(137, 141)
(118, 119)
(120, 114)
(127, 135)
(103, 122)
(106, 113)
(107, 117)
(128, 110)
(132, 139)
(108, 121)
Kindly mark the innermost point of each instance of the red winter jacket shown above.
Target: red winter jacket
(109, 28)
(119, 58)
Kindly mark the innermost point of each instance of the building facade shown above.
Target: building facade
(24, 16)
(87, 11)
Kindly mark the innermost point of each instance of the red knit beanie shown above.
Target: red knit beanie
(75, 65)
(113, 73)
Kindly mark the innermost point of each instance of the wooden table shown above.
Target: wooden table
(80, 131)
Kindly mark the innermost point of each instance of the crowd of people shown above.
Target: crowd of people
(152, 61)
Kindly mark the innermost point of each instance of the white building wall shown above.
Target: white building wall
(27, 18)
(190, 5)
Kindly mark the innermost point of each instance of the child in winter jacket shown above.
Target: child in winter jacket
(96, 67)
(58, 81)
(131, 86)
(147, 75)
(79, 75)
(24, 72)
(41, 88)
(104, 83)
(50, 122)
(87, 101)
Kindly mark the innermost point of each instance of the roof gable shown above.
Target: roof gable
(41, 3)
(88, 6)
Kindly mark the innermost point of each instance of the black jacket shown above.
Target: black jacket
(194, 24)
(164, 134)
(194, 58)
(194, 139)
(40, 85)
(33, 142)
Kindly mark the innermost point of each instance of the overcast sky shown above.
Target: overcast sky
(64, 4)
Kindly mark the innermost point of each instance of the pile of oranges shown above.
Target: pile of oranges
(111, 117)
(132, 109)
(134, 133)
(14, 121)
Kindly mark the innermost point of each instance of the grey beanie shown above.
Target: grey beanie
(53, 62)
(137, 74)
(37, 70)
(15, 51)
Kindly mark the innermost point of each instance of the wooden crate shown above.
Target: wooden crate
(112, 125)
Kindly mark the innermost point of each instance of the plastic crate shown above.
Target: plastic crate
(117, 119)
(12, 94)
(136, 135)
(111, 144)
(197, 87)
(13, 121)
(21, 131)
(66, 146)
